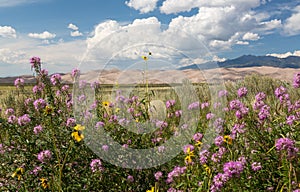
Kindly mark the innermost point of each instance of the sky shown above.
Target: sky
(98, 34)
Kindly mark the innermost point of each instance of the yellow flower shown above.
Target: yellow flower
(227, 139)
(117, 110)
(18, 172)
(77, 134)
(190, 154)
(79, 127)
(207, 169)
(44, 183)
(199, 143)
(48, 110)
(152, 190)
(105, 103)
(145, 58)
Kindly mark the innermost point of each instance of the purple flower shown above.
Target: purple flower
(38, 88)
(178, 113)
(99, 124)
(233, 168)
(280, 91)
(71, 122)
(105, 147)
(188, 146)
(161, 124)
(158, 175)
(256, 166)
(130, 178)
(44, 156)
(264, 112)
(194, 105)
(235, 104)
(55, 79)
(35, 62)
(96, 165)
(12, 119)
(170, 103)
(210, 116)
(204, 156)
(219, 141)
(258, 105)
(218, 182)
(296, 80)
(223, 93)
(290, 119)
(36, 170)
(197, 137)
(288, 145)
(242, 91)
(260, 96)
(39, 104)
(19, 82)
(9, 111)
(75, 73)
(237, 128)
(204, 105)
(37, 129)
(24, 120)
(176, 172)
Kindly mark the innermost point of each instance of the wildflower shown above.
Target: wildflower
(55, 79)
(12, 119)
(35, 63)
(24, 120)
(219, 141)
(176, 172)
(71, 122)
(158, 175)
(188, 148)
(105, 147)
(19, 82)
(190, 154)
(170, 103)
(44, 156)
(77, 133)
(204, 156)
(178, 113)
(39, 104)
(256, 166)
(9, 111)
(219, 181)
(75, 73)
(48, 110)
(242, 92)
(197, 137)
(264, 112)
(210, 116)
(227, 139)
(18, 172)
(145, 58)
(258, 105)
(290, 119)
(105, 104)
(279, 91)
(37, 129)
(233, 168)
(44, 183)
(296, 80)
(36, 170)
(96, 165)
(99, 124)
(207, 169)
(194, 105)
(235, 104)
(130, 178)
(152, 190)
(223, 93)
(288, 145)
(38, 88)
(260, 96)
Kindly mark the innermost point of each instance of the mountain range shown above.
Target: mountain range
(250, 61)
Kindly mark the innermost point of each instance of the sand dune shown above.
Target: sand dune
(172, 76)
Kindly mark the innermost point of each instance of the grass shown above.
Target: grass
(57, 139)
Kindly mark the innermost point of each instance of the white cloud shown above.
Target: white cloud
(144, 6)
(11, 3)
(285, 55)
(7, 31)
(242, 43)
(176, 6)
(251, 36)
(73, 27)
(13, 56)
(44, 35)
(76, 33)
(291, 25)
(267, 26)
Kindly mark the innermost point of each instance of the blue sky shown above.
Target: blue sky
(92, 33)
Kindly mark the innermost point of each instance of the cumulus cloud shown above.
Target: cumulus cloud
(7, 31)
(144, 6)
(13, 56)
(291, 25)
(73, 27)
(177, 6)
(44, 35)
(76, 33)
(251, 36)
(285, 55)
